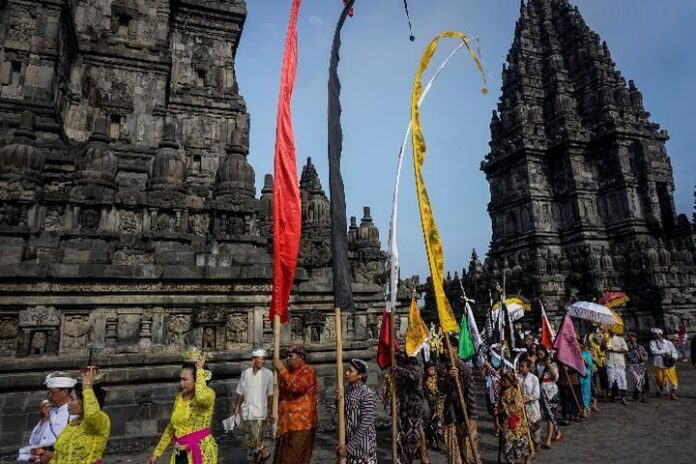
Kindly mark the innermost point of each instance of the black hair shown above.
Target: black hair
(99, 392)
(543, 348)
(190, 365)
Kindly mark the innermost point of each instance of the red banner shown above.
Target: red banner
(287, 206)
(385, 341)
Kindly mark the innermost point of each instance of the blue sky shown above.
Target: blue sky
(653, 46)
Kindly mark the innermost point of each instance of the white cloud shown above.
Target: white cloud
(316, 20)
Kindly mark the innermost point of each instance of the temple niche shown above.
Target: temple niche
(580, 181)
(130, 222)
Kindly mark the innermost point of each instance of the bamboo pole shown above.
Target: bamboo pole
(526, 420)
(276, 386)
(462, 404)
(339, 383)
(392, 386)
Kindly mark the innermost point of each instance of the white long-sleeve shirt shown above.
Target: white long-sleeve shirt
(661, 347)
(256, 388)
(530, 388)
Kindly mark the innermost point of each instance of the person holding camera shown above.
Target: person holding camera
(665, 356)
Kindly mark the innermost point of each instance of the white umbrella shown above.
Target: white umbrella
(591, 312)
(515, 310)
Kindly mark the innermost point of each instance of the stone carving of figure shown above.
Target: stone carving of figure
(179, 325)
(75, 330)
(237, 328)
(37, 347)
(209, 338)
(296, 329)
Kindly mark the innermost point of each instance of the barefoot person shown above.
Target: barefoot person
(188, 430)
(53, 415)
(254, 401)
(547, 372)
(84, 439)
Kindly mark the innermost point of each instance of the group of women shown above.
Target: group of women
(84, 440)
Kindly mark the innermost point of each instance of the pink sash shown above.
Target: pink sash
(191, 443)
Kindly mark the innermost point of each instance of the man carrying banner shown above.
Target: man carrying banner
(297, 411)
(456, 433)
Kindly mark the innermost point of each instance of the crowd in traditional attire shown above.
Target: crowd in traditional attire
(434, 406)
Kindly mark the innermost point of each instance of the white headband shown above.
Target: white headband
(656, 331)
(260, 353)
(59, 380)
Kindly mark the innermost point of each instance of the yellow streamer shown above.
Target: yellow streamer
(433, 244)
(417, 332)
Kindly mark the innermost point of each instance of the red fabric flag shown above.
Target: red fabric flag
(287, 207)
(350, 12)
(568, 348)
(547, 335)
(383, 350)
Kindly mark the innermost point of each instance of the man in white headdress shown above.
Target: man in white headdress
(53, 415)
(254, 401)
(665, 355)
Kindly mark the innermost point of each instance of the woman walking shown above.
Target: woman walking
(586, 381)
(514, 429)
(188, 429)
(433, 426)
(637, 357)
(547, 372)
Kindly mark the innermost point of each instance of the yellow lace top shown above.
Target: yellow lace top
(189, 416)
(83, 442)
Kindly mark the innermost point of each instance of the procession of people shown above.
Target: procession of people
(432, 397)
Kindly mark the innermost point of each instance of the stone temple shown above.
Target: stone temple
(581, 185)
(130, 225)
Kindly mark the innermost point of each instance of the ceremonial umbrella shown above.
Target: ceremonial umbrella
(618, 326)
(613, 299)
(592, 312)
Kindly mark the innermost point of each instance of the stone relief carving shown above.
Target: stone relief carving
(53, 220)
(8, 334)
(178, 327)
(75, 331)
(39, 316)
(237, 328)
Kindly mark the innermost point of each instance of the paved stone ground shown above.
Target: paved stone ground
(660, 432)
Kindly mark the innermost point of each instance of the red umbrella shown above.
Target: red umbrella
(613, 299)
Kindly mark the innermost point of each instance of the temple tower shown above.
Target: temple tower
(581, 184)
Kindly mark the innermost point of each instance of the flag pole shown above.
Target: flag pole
(339, 383)
(276, 386)
(392, 386)
(467, 422)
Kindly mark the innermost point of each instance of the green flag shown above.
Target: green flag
(466, 345)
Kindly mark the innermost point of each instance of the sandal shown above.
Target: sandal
(559, 437)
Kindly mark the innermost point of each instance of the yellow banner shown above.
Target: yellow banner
(433, 244)
(417, 332)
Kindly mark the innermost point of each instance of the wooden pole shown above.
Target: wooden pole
(392, 386)
(276, 387)
(572, 390)
(526, 420)
(462, 404)
(339, 384)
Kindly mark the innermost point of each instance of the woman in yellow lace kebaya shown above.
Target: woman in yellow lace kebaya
(83, 440)
(512, 423)
(189, 426)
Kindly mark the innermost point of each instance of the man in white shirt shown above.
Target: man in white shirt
(254, 400)
(665, 360)
(53, 415)
(616, 364)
